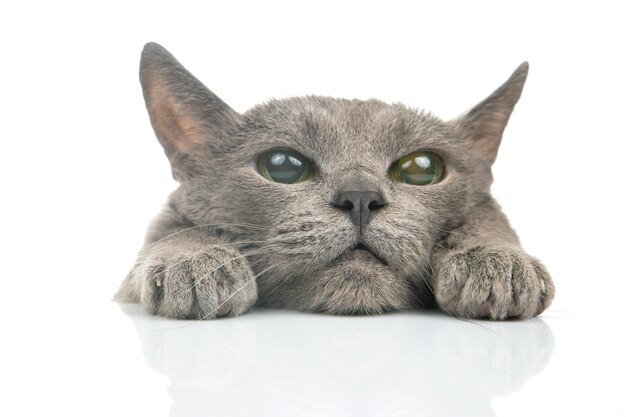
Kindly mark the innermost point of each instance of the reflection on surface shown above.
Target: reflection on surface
(280, 363)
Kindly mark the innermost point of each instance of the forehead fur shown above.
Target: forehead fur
(329, 129)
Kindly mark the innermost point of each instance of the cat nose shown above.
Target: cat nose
(360, 204)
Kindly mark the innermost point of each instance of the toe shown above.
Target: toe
(224, 308)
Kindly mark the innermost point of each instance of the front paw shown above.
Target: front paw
(495, 283)
(204, 285)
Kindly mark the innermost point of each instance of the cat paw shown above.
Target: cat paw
(205, 285)
(495, 283)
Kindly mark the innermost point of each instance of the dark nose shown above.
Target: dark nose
(360, 204)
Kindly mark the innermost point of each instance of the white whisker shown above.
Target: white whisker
(243, 242)
(249, 253)
(227, 299)
(240, 288)
(205, 225)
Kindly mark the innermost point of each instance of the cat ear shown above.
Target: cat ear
(187, 117)
(484, 124)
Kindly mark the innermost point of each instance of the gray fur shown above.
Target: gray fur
(229, 238)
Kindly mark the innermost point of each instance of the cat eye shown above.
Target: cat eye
(285, 166)
(418, 168)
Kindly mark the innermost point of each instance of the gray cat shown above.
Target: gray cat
(331, 205)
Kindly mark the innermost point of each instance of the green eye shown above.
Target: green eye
(418, 168)
(285, 166)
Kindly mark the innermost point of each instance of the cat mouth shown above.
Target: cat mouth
(362, 253)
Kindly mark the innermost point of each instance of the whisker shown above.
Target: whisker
(227, 299)
(432, 274)
(277, 286)
(242, 287)
(243, 242)
(449, 312)
(205, 225)
(249, 253)
(470, 321)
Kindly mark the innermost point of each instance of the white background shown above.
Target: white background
(82, 173)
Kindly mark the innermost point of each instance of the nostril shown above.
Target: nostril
(344, 204)
(347, 205)
(375, 205)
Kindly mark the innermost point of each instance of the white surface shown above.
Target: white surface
(82, 175)
(121, 361)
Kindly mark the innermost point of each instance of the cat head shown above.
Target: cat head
(337, 203)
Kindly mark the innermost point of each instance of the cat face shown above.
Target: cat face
(337, 204)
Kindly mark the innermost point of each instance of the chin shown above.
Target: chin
(357, 283)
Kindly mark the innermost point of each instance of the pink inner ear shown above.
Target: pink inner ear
(485, 142)
(174, 129)
(183, 120)
(488, 148)
(167, 131)
(177, 130)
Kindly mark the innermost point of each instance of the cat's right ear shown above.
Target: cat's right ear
(482, 127)
(188, 119)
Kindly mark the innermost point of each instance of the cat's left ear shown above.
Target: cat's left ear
(484, 124)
